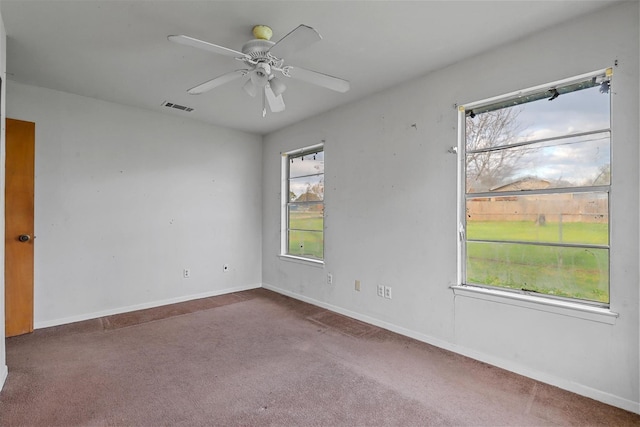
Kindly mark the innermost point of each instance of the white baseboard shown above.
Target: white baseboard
(127, 309)
(3, 376)
(508, 365)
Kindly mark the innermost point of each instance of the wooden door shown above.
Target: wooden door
(18, 246)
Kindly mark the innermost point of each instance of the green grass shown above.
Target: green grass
(306, 243)
(551, 232)
(581, 273)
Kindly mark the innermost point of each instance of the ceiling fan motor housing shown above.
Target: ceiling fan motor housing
(258, 50)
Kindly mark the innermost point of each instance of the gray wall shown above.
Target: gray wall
(391, 199)
(126, 198)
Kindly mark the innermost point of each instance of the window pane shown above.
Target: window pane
(561, 163)
(580, 218)
(581, 273)
(530, 155)
(306, 189)
(574, 112)
(306, 216)
(306, 243)
(305, 203)
(309, 164)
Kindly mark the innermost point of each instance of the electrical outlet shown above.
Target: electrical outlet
(387, 292)
(357, 285)
(225, 268)
(381, 291)
(329, 279)
(186, 273)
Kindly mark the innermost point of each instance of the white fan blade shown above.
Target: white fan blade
(276, 103)
(301, 36)
(199, 44)
(218, 81)
(324, 80)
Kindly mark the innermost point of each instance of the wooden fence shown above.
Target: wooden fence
(542, 208)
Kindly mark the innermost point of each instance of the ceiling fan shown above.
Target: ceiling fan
(263, 58)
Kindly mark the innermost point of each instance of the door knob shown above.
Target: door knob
(24, 238)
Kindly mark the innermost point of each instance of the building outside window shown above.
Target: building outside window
(535, 189)
(303, 203)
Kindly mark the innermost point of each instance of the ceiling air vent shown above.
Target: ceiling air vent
(177, 106)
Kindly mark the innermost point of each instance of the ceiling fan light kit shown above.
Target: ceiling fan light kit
(277, 86)
(263, 58)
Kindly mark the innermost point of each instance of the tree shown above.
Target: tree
(487, 169)
(314, 193)
(604, 175)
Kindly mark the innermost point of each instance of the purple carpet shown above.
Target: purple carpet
(258, 358)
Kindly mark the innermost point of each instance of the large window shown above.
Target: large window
(303, 203)
(535, 190)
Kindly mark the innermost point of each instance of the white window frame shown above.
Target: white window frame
(574, 308)
(284, 201)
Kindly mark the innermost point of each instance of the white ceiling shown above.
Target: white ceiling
(118, 50)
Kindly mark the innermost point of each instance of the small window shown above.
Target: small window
(536, 185)
(303, 203)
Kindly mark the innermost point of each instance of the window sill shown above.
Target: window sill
(564, 308)
(301, 260)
